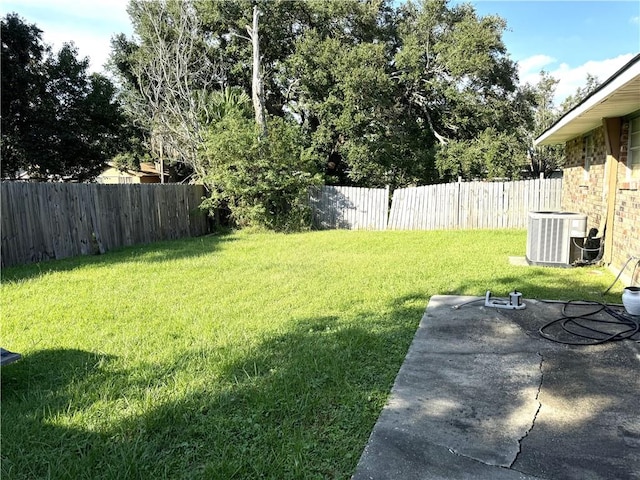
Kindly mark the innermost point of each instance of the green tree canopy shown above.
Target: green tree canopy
(58, 120)
(591, 84)
(378, 93)
(457, 75)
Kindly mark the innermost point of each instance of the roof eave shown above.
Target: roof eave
(593, 109)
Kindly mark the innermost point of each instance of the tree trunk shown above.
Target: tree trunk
(257, 89)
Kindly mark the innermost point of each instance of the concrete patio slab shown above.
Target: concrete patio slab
(482, 396)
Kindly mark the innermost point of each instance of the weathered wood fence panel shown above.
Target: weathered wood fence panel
(42, 221)
(349, 208)
(461, 205)
(472, 205)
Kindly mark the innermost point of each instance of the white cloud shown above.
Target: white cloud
(530, 67)
(570, 78)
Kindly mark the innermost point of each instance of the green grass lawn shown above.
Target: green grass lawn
(235, 356)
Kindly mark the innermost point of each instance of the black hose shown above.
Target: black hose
(587, 329)
(622, 270)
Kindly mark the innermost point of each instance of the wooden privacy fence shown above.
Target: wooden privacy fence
(42, 221)
(349, 208)
(471, 205)
(461, 205)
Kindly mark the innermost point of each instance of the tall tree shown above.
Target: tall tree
(257, 87)
(382, 94)
(58, 120)
(548, 158)
(591, 84)
(23, 90)
(293, 35)
(455, 71)
(162, 70)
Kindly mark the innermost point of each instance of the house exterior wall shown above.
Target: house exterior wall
(626, 239)
(584, 192)
(113, 175)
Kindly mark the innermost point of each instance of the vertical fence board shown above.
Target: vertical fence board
(394, 220)
(419, 208)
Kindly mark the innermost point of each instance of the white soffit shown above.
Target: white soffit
(617, 97)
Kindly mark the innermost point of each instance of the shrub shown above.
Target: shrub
(264, 180)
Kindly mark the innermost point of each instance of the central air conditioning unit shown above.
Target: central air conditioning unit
(555, 239)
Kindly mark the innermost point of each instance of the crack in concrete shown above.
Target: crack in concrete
(535, 415)
(488, 464)
(477, 460)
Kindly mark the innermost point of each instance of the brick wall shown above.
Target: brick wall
(584, 192)
(626, 239)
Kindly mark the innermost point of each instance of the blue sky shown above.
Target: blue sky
(566, 38)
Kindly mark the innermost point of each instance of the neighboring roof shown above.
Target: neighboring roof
(146, 170)
(149, 168)
(618, 96)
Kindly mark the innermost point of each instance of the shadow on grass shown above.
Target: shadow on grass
(36, 392)
(48, 372)
(542, 283)
(546, 284)
(158, 252)
(300, 404)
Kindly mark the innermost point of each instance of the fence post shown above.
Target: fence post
(387, 204)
